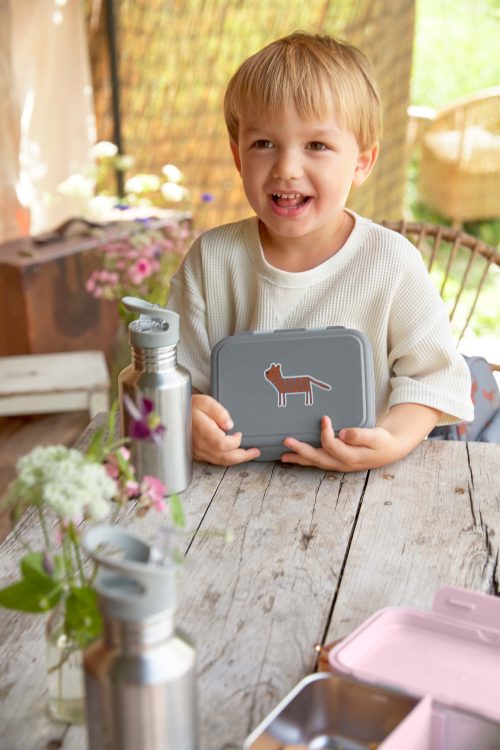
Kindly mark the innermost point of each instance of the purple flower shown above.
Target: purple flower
(145, 423)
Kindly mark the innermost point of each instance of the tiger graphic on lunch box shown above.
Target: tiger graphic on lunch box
(293, 384)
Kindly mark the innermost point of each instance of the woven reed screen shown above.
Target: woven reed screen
(176, 56)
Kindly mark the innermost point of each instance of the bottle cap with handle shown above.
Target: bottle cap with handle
(132, 586)
(155, 327)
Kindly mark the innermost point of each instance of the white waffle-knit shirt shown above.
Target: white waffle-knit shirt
(376, 282)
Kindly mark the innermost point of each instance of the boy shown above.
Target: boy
(303, 117)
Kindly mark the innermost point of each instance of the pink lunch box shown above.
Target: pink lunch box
(450, 657)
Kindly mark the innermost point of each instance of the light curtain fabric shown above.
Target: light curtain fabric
(47, 116)
(13, 221)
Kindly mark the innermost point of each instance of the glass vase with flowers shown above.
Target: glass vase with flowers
(68, 489)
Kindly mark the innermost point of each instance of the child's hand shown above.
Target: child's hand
(357, 448)
(210, 442)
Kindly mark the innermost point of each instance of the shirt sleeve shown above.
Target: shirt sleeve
(187, 298)
(425, 366)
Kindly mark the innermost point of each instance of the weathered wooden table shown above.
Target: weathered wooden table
(313, 554)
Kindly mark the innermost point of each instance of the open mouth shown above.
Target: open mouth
(290, 200)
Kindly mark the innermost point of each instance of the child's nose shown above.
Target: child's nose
(287, 166)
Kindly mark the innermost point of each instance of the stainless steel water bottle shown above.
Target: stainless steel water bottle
(139, 677)
(154, 378)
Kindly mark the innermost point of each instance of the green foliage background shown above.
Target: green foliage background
(456, 49)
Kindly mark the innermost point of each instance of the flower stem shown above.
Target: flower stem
(44, 528)
(79, 562)
(68, 560)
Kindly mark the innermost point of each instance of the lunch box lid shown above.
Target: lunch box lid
(451, 653)
(280, 383)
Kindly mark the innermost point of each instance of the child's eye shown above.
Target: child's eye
(317, 146)
(262, 143)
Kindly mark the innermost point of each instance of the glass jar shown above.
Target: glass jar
(66, 700)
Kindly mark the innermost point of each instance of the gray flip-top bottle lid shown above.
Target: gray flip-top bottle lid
(155, 327)
(132, 587)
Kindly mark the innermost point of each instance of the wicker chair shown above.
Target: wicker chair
(460, 159)
(461, 266)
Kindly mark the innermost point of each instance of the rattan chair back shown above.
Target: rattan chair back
(461, 266)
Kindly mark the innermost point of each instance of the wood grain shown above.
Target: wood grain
(427, 521)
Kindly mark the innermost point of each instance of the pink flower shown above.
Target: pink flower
(153, 492)
(132, 488)
(124, 452)
(112, 470)
(140, 270)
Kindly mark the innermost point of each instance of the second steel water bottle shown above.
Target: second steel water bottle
(155, 381)
(140, 688)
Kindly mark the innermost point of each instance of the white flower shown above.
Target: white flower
(99, 207)
(104, 150)
(77, 186)
(123, 162)
(62, 478)
(142, 183)
(173, 192)
(172, 173)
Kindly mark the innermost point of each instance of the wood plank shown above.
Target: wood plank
(484, 492)
(256, 607)
(419, 529)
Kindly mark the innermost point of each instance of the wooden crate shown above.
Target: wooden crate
(44, 305)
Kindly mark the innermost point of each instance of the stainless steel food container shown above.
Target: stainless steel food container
(331, 712)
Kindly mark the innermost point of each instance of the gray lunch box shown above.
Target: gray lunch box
(278, 384)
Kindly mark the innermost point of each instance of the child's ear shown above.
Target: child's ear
(236, 155)
(366, 162)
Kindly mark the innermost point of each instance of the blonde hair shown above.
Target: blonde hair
(309, 71)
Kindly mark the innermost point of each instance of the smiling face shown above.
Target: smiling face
(297, 175)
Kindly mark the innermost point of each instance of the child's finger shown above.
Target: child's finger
(229, 458)
(206, 432)
(327, 434)
(214, 410)
(303, 453)
(239, 456)
(363, 436)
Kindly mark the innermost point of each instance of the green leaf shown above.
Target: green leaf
(31, 595)
(32, 567)
(95, 449)
(83, 620)
(177, 511)
(112, 422)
